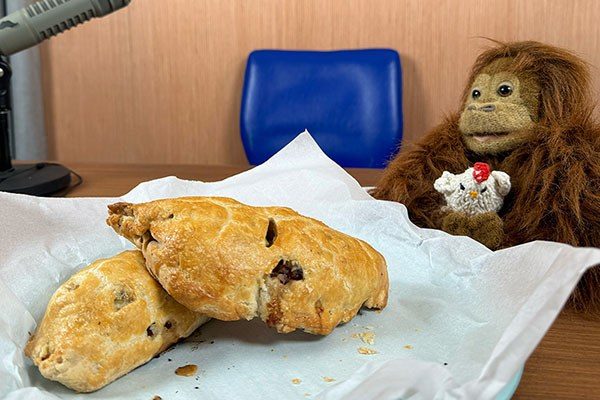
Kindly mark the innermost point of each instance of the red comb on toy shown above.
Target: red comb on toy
(481, 171)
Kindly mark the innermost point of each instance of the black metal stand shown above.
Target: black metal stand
(5, 108)
(35, 179)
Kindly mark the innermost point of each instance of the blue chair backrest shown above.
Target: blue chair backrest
(350, 101)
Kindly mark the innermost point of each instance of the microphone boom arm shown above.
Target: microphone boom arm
(18, 31)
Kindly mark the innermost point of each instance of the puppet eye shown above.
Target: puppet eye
(505, 89)
(462, 187)
(483, 190)
(476, 93)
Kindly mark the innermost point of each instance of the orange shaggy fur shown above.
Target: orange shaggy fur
(555, 176)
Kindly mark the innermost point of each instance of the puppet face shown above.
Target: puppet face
(500, 109)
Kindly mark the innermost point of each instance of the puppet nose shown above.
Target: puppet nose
(487, 108)
(473, 194)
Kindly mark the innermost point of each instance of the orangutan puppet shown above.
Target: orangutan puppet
(527, 111)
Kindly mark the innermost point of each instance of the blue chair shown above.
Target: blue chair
(350, 101)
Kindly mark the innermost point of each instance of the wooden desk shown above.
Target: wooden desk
(566, 364)
(115, 180)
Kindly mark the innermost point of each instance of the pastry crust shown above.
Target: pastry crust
(106, 320)
(232, 261)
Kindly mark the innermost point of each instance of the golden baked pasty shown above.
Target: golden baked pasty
(232, 261)
(106, 320)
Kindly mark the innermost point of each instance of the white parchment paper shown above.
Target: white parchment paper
(461, 320)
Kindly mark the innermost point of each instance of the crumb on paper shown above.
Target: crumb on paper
(307, 394)
(157, 398)
(366, 337)
(366, 350)
(328, 379)
(408, 347)
(296, 381)
(367, 327)
(194, 338)
(187, 370)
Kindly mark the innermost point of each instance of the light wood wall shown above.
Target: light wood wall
(160, 82)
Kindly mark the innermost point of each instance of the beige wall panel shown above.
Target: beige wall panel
(160, 82)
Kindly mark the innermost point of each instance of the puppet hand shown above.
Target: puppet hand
(487, 228)
(456, 223)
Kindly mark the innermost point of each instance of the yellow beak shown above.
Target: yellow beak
(473, 194)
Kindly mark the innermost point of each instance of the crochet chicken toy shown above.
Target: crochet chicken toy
(475, 191)
(478, 194)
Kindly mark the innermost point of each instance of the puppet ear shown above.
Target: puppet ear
(445, 183)
(502, 182)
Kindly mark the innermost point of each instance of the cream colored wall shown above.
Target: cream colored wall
(160, 82)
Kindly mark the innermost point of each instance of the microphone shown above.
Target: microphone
(47, 18)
